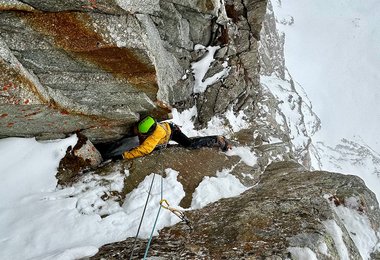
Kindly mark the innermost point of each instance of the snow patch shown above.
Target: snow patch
(336, 233)
(237, 122)
(134, 203)
(302, 253)
(245, 153)
(201, 67)
(211, 189)
(94, 194)
(323, 249)
(185, 119)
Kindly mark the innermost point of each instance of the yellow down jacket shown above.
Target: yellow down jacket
(160, 136)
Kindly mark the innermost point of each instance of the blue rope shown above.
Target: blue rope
(142, 217)
(155, 222)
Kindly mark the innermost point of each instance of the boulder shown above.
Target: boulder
(78, 159)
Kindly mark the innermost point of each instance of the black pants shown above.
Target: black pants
(194, 142)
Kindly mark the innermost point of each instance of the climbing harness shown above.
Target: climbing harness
(165, 204)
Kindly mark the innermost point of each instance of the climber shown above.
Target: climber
(153, 135)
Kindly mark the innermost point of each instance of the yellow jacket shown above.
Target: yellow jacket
(160, 136)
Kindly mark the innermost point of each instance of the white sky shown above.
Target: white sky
(333, 51)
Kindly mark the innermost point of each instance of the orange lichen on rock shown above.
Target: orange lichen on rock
(73, 32)
(13, 82)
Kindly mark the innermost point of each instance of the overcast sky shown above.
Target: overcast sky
(333, 51)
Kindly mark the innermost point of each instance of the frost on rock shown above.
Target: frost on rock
(245, 153)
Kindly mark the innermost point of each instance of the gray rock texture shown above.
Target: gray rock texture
(289, 208)
(97, 65)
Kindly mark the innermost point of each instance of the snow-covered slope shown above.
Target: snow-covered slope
(351, 157)
(330, 67)
(332, 49)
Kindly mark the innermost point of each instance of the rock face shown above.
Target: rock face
(96, 65)
(285, 116)
(290, 211)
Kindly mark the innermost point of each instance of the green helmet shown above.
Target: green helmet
(146, 125)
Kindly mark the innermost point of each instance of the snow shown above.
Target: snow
(245, 153)
(323, 249)
(40, 221)
(331, 49)
(74, 253)
(295, 114)
(336, 233)
(237, 122)
(26, 166)
(134, 203)
(302, 253)
(201, 67)
(90, 188)
(216, 126)
(211, 189)
(366, 169)
(358, 226)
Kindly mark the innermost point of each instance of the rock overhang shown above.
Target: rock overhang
(70, 68)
